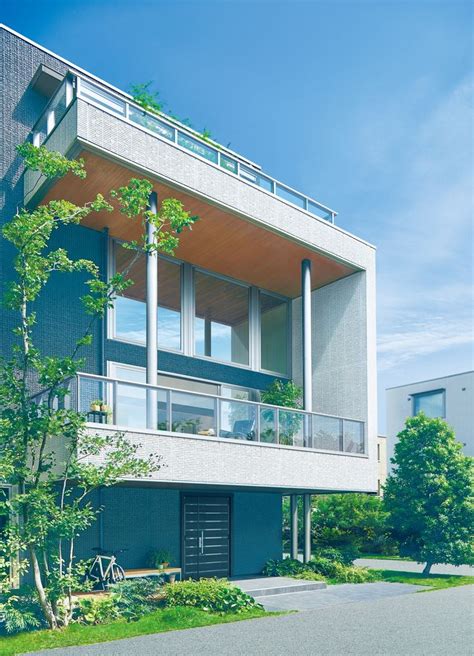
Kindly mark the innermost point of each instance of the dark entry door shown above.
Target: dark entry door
(206, 534)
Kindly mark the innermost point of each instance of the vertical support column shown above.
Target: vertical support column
(294, 525)
(152, 319)
(306, 322)
(307, 528)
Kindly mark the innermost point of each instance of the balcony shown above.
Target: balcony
(165, 410)
(214, 440)
(172, 131)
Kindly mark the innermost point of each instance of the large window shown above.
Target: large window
(274, 333)
(202, 314)
(130, 308)
(431, 403)
(221, 323)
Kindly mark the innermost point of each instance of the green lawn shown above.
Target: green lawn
(168, 619)
(432, 581)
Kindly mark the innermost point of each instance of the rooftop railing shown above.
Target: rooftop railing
(171, 131)
(120, 403)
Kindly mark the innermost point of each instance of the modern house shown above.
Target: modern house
(448, 397)
(265, 286)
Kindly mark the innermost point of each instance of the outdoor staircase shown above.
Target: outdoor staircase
(264, 586)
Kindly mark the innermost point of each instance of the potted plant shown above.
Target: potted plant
(96, 405)
(160, 559)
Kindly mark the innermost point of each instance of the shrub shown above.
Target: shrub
(212, 595)
(308, 575)
(20, 611)
(96, 610)
(285, 567)
(359, 521)
(330, 566)
(346, 574)
(136, 597)
(343, 555)
(324, 566)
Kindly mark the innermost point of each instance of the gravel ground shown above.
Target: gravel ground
(438, 623)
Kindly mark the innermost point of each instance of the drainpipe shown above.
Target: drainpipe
(307, 389)
(152, 318)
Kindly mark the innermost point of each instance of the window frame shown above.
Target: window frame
(426, 393)
(112, 314)
(188, 299)
(210, 358)
(289, 324)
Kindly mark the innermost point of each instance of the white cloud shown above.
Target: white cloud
(425, 253)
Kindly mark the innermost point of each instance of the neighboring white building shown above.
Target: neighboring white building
(449, 397)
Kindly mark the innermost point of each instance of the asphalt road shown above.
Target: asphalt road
(408, 566)
(418, 624)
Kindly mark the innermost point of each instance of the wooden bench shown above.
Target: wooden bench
(141, 573)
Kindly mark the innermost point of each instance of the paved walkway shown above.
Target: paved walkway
(407, 566)
(431, 624)
(336, 595)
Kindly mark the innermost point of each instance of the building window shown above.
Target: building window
(431, 403)
(273, 333)
(130, 307)
(221, 320)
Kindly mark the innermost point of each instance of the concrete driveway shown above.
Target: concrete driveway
(429, 624)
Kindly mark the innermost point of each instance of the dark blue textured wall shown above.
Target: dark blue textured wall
(257, 531)
(143, 519)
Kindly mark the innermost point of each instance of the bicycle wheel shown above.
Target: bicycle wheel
(116, 574)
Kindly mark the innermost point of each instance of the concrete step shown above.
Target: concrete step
(264, 586)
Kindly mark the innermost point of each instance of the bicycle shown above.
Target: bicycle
(104, 570)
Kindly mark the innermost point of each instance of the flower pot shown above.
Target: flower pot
(160, 566)
(171, 578)
(165, 565)
(95, 408)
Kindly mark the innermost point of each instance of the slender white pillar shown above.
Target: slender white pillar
(294, 525)
(152, 319)
(307, 527)
(306, 321)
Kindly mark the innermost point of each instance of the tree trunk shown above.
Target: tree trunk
(428, 566)
(43, 600)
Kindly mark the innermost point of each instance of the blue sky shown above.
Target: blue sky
(365, 105)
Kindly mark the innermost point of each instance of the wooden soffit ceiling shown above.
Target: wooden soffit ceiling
(220, 241)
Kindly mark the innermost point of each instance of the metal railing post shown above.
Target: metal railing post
(169, 415)
(115, 402)
(217, 410)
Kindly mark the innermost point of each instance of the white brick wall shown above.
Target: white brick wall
(201, 460)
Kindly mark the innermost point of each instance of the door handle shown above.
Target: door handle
(202, 541)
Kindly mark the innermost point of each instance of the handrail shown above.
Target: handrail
(183, 137)
(133, 383)
(283, 425)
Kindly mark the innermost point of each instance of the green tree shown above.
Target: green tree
(351, 520)
(46, 453)
(429, 495)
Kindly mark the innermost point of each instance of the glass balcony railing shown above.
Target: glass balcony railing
(172, 131)
(139, 406)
